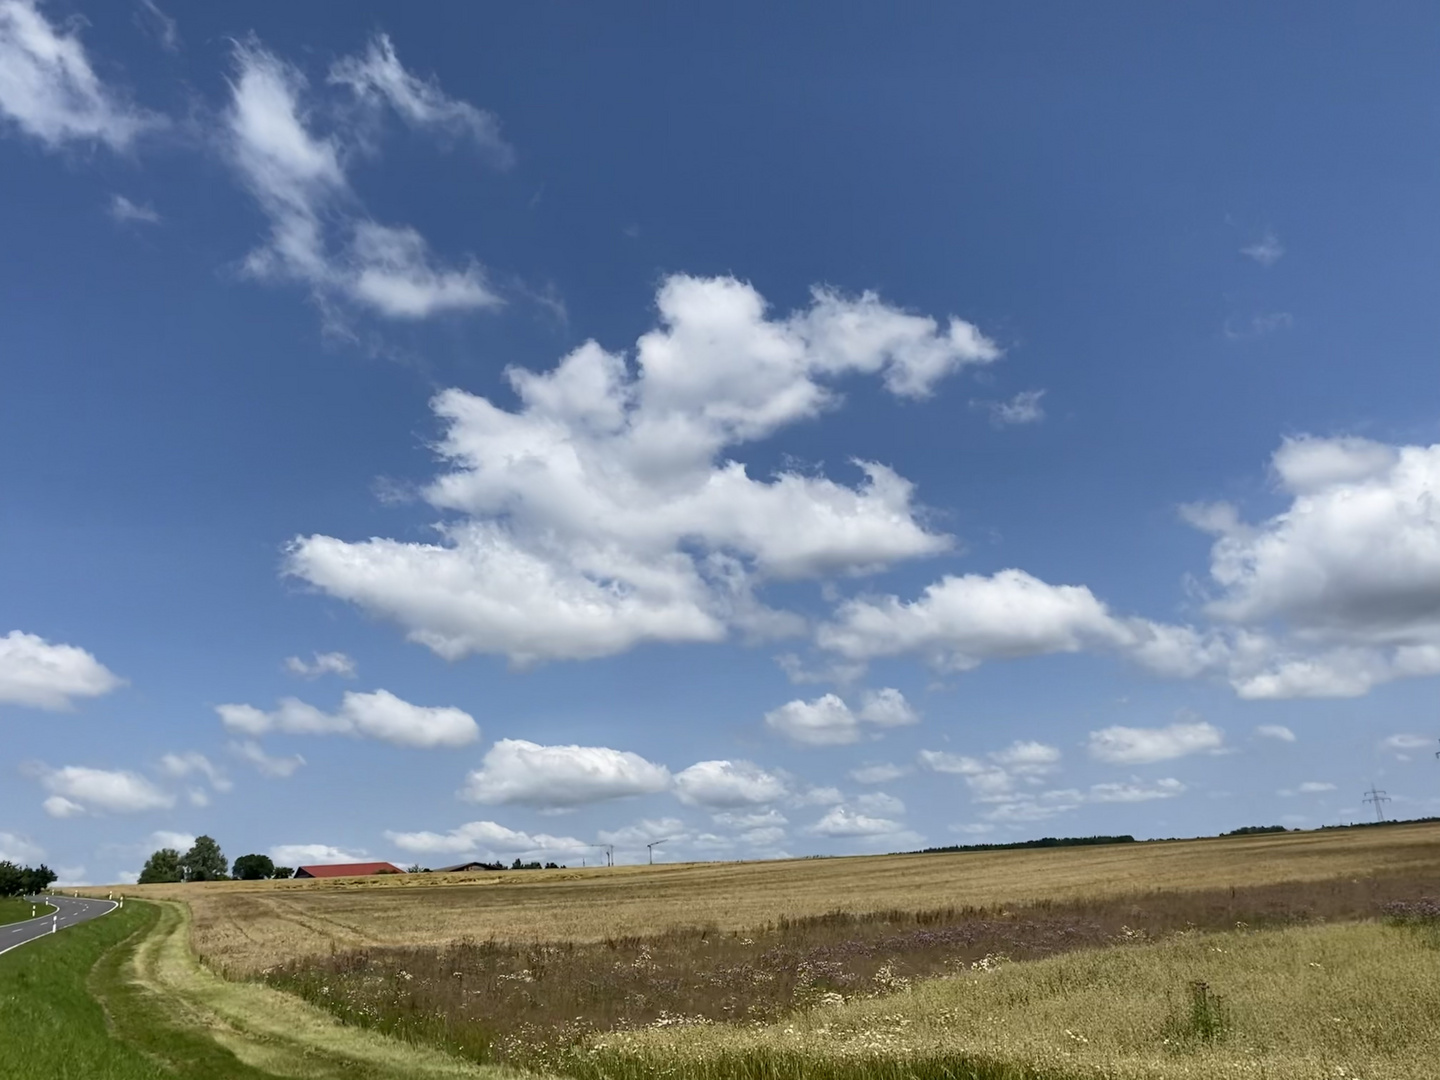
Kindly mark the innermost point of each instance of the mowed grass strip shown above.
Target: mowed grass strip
(14, 909)
(53, 1028)
(1332, 1001)
(243, 927)
(122, 997)
(161, 999)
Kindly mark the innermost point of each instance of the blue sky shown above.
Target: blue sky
(456, 433)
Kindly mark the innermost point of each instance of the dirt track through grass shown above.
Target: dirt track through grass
(123, 998)
(269, 1033)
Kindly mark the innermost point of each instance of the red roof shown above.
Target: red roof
(349, 869)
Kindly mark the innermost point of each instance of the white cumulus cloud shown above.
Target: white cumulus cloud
(728, 784)
(77, 789)
(1121, 745)
(1348, 572)
(294, 855)
(378, 715)
(35, 672)
(960, 622)
(829, 721)
(841, 822)
(1278, 732)
(553, 777)
(19, 849)
(487, 838)
(604, 512)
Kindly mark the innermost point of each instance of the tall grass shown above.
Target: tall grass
(1307, 1002)
(50, 1025)
(537, 1004)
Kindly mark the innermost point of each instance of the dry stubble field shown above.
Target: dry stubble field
(243, 927)
(1273, 956)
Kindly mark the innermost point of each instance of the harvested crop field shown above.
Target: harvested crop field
(242, 927)
(532, 1004)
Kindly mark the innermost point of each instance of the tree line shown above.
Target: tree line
(206, 862)
(24, 880)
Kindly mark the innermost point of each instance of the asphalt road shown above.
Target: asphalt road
(69, 911)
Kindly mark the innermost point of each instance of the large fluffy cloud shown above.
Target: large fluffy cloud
(377, 715)
(960, 622)
(728, 785)
(35, 672)
(555, 777)
(1349, 571)
(829, 721)
(319, 236)
(76, 789)
(842, 822)
(49, 89)
(602, 513)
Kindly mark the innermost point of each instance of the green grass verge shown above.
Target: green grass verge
(54, 1028)
(122, 997)
(13, 909)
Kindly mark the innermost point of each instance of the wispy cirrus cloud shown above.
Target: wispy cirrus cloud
(49, 89)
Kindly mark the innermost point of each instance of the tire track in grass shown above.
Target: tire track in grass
(158, 985)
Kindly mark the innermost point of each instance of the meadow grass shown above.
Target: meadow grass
(1357, 1000)
(15, 909)
(122, 997)
(526, 1003)
(50, 1025)
(244, 927)
(160, 997)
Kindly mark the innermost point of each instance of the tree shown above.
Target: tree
(10, 879)
(253, 867)
(204, 861)
(283, 872)
(163, 866)
(36, 879)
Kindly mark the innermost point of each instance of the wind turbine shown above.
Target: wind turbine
(653, 845)
(609, 850)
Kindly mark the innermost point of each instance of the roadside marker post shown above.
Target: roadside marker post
(54, 922)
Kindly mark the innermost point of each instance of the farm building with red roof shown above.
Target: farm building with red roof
(349, 869)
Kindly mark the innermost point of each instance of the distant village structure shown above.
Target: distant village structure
(356, 869)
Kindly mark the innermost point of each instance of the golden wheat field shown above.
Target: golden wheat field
(242, 927)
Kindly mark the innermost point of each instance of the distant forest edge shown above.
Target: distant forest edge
(1043, 842)
(1092, 841)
